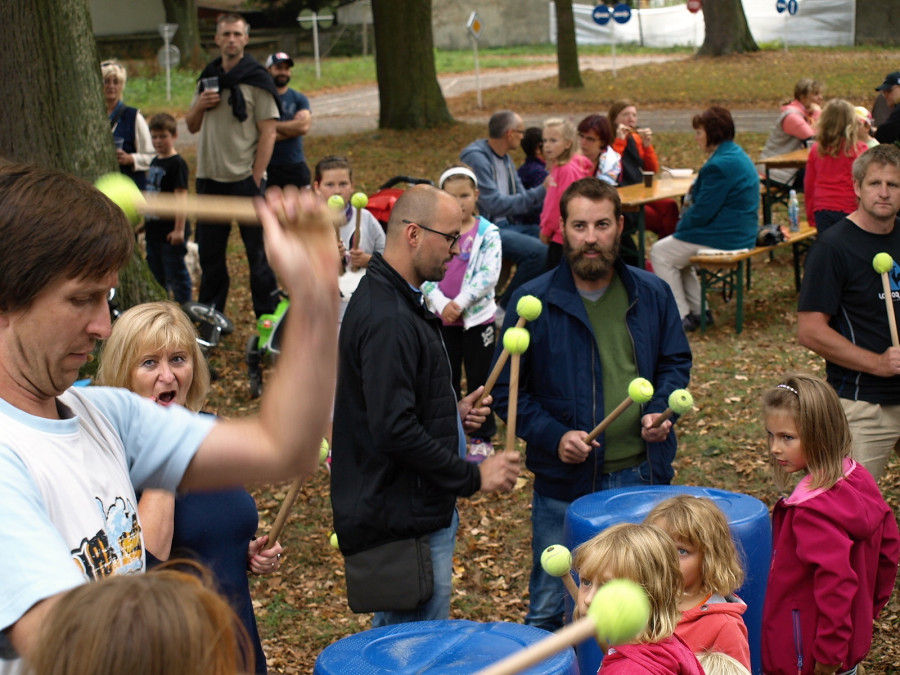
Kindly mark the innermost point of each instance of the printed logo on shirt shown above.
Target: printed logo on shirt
(894, 277)
(117, 548)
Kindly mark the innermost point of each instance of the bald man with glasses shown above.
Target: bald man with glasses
(398, 459)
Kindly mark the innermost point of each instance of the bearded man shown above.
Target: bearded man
(603, 324)
(288, 164)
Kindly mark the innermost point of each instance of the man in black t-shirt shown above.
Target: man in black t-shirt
(842, 313)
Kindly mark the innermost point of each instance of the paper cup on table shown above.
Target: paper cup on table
(648, 178)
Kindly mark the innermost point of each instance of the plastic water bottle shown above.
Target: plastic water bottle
(793, 211)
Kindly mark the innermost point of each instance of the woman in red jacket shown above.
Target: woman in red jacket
(635, 145)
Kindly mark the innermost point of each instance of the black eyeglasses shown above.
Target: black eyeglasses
(452, 238)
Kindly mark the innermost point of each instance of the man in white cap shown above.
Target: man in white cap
(288, 165)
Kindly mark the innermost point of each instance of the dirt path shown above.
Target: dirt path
(354, 110)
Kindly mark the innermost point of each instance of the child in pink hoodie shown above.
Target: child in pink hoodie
(565, 168)
(646, 555)
(711, 614)
(835, 544)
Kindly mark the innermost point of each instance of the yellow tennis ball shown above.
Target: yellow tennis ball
(333, 540)
(681, 401)
(620, 610)
(883, 262)
(323, 450)
(556, 560)
(640, 390)
(529, 307)
(516, 340)
(122, 192)
(336, 202)
(359, 200)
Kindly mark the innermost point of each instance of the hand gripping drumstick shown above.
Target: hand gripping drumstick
(639, 391)
(557, 562)
(617, 614)
(680, 401)
(883, 264)
(515, 341)
(285, 511)
(528, 308)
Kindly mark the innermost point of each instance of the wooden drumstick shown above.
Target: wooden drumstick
(680, 401)
(613, 600)
(359, 202)
(515, 341)
(556, 560)
(528, 308)
(285, 511)
(883, 264)
(639, 391)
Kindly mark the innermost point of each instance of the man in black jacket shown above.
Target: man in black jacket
(399, 443)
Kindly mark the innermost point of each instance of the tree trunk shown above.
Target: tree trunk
(187, 39)
(54, 114)
(727, 31)
(566, 48)
(410, 96)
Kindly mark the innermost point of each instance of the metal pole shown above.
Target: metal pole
(477, 74)
(168, 68)
(315, 27)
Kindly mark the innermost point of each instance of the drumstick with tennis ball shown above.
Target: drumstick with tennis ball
(883, 264)
(285, 511)
(359, 202)
(618, 613)
(515, 341)
(528, 308)
(557, 562)
(639, 391)
(680, 401)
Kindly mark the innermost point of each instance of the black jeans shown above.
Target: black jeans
(212, 240)
(475, 348)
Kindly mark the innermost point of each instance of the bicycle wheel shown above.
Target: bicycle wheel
(201, 313)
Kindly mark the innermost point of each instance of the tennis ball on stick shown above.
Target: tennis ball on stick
(336, 202)
(620, 610)
(122, 192)
(516, 340)
(883, 262)
(680, 401)
(323, 450)
(640, 390)
(359, 200)
(556, 560)
(529, 308)
(333, 540)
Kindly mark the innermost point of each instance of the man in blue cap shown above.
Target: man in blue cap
(288, 165)
(889, 131)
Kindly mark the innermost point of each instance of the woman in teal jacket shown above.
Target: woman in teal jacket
(721, 211)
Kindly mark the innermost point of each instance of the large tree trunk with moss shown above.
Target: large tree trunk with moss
(187, 38)
(727, 31)
(566, 48)
(408, 89)
(54, 114)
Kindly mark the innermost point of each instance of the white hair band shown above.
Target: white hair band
(457, 171)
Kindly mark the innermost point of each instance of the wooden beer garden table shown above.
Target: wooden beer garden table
(773, 190)
(635, 197)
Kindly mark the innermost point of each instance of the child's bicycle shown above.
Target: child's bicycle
(267, 341)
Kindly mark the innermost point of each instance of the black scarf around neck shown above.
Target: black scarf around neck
(247, 71)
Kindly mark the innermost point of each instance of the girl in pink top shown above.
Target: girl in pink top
(828, 183)
(711, 614)
(565, 168)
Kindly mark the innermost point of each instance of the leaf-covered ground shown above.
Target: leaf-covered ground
(303, 609)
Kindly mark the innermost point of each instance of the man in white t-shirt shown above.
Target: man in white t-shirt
(71, 459)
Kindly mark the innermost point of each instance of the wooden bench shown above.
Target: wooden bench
(727, 270)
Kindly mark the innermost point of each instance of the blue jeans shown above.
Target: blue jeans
(547, 594)
(521, 245)
(437, 608)
(166, 261)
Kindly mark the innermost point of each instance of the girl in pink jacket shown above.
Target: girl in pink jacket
(711, 614)
(835, 542)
